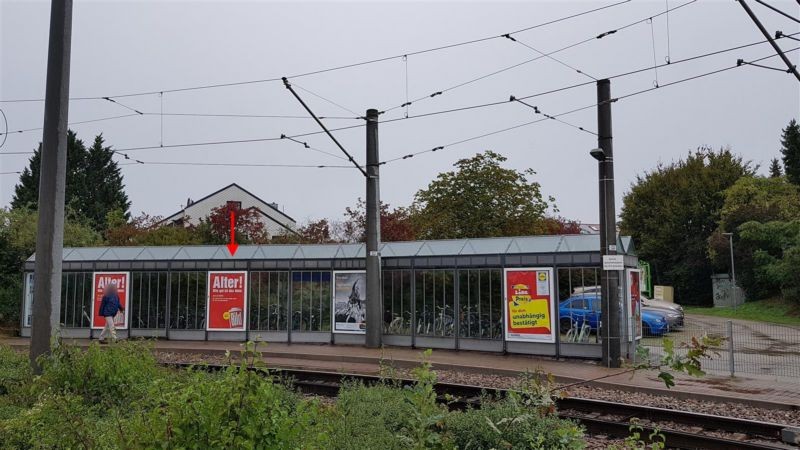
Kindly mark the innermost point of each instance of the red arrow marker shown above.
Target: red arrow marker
(233, 246)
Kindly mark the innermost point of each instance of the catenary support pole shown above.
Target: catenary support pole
(733, 273)
(52, 184)
(792, 67)
(610, 305)
(374, 301)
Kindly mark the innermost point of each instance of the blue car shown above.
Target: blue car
(581, 309)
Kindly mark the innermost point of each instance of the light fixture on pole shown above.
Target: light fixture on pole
(733, 270)
(598, 154)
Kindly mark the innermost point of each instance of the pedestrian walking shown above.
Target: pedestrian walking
(109, 308)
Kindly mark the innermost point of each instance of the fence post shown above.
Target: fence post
(731, 361)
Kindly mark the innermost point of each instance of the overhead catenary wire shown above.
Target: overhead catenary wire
(666, 19)
(74, 123)
(583, 108)
(248, 164)
(549, 56)
(543, 55)
(434, 113)
(788, 16)
(305, 145)
(324, 128)
(339, 67)
(344, 108)
(5, 128)
(539, 111)
(655, 62)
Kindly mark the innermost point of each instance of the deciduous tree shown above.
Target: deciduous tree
(755, 200)
(396, 223)
(672, 211)
(480, 198)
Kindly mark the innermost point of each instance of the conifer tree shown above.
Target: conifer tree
(790, 148)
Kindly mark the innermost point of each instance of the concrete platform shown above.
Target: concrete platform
(355, 359)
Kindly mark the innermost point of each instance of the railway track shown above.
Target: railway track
(681, 429)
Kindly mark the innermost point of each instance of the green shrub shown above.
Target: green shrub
(369, 417)
(236, 408)
(56, 421)
(114, 374)
(505, 424)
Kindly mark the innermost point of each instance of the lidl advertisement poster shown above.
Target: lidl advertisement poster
(529, 305)
(227, 301)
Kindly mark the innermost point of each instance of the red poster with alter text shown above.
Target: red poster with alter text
(100, 281)
(227, 301)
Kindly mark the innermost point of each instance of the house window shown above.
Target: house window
(234, 206)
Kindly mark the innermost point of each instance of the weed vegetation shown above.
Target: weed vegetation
(119, 397)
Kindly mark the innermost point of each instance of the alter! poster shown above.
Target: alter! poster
(100, 281)
(529, 306)
(634, 305)
(226, 301)
(350, 302)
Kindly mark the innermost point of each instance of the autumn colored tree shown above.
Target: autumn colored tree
(250, 229)
(148, 230)
(560, 225)
(396, 223)
(322, 231)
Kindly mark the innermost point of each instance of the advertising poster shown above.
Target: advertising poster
(27, 318)
(227, 301)
(100, 281)
(634, 305)
(529, 305)
(350, 302)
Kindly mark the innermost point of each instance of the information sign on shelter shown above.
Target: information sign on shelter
(613, 262)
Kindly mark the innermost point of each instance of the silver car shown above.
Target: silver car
(673, 312)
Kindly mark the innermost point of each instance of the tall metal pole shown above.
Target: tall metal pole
(792, 67)
(609, 280)
(374, 303)
(733, 272)
(52, 184)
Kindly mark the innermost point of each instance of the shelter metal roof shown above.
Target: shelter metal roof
(452, 247)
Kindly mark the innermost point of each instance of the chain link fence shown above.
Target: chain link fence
(749, 348)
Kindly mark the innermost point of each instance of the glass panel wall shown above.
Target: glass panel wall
(579, 306)
(311, 301)
(480, 303)
(397, 302)
(269, 301)
(76, 299)
(188, 300)
(148, 302)
(435, 303)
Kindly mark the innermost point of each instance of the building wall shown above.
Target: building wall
(275, 223)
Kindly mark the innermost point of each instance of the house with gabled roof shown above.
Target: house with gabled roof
(276, 222)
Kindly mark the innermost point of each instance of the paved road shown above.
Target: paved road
(759, 348)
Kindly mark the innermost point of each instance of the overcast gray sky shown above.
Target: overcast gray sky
(136, 46)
